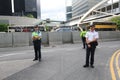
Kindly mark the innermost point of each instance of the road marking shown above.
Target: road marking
(12, 54)
(111, 65)
(43, 50)
(117, 64)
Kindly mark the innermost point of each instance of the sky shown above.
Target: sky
(113, 1)
(54, 9)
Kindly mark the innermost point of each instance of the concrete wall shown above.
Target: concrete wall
(76, 37)
(55, 38)
(6, 40)
(20, 39)
(67, 37)
(109, 35)
(45, 38)
(51, 38)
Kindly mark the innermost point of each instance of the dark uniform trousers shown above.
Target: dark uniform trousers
(90, 53)
(37, 49)
(84, 41)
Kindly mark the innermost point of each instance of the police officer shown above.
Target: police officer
(91, 38)
(82, 35)
(36, 37)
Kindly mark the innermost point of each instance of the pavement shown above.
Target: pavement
(59, 62)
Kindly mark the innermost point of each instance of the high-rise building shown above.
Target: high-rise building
(5, 7)
(68, 12)
(25, 7)
(80, 7)
(19, 6)
(68, 9)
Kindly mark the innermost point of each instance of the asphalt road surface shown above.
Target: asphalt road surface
(60, 62)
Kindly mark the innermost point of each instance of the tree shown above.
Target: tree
(47, 28)
(30, 15)
(3, 27)
(117, 21)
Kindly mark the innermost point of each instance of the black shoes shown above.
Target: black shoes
(85, 66)
(92, 66)
(35, 59)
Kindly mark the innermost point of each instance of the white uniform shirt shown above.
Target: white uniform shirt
(92, 35)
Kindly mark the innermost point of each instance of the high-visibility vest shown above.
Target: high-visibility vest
(35, 34)
(83, 33)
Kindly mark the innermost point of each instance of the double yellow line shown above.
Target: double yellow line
(115, 57)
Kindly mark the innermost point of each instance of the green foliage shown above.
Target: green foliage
(30, 15)
(3, 27)
(47, 28)
(116, 20)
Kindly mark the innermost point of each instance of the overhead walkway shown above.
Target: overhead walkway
(102, 11)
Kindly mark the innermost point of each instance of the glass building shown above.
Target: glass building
(5, 7)
(25, 7)
(68, 12)
(20, 7)
(80, 7)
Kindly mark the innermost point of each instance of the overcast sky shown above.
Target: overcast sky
(53, 9)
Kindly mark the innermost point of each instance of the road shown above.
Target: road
(60, 62)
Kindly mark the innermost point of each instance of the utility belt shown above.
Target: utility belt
(95, 43)
(37, 40)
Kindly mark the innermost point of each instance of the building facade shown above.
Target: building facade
(68, 12)
(20, 7)
(100, 16)
(79, 7)
(5, 7)
(25, 7)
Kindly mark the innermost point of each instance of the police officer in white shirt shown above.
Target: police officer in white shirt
(91, 42)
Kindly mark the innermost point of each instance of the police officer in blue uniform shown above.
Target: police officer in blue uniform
(36, 37)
